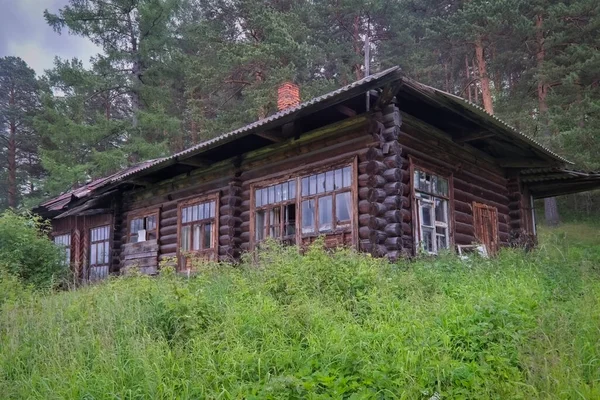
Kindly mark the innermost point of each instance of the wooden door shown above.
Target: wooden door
(485, 219)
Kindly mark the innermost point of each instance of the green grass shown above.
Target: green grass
(522, 326)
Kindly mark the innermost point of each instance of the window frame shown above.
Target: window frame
(92, 242)
(212, 251)
(282, 205)
(143, 213)
(428, 168)
(70, 246)
(297, 174)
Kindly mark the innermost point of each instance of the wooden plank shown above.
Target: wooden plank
(141, 247)
(141, 263)
(146, 254)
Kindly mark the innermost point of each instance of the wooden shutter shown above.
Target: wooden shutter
(486, 226)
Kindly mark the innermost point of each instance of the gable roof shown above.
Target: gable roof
(413, 92)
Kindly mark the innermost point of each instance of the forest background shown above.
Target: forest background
(171, 73)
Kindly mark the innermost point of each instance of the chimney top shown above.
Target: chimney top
(288, 95)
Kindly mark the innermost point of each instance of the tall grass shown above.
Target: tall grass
(320, 325)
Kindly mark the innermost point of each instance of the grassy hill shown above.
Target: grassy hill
(522, 326)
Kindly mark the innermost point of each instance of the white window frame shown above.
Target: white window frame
(427, 199)
(63, 240)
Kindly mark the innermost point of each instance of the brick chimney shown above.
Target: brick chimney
(288, 95)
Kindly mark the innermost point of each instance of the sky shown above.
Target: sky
(24, 33)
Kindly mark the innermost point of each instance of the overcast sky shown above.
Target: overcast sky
(25, 33)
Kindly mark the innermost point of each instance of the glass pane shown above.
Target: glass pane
(427, 239)
(305, 188)
(441, 241)
(185, 238)
(260, 226)
(347, 176)
(183, 216)
(93, 254)
(265, 197)
(257, 198)
(329, 181)
(275, 222)
(440, 210)
(338, 183)
(308, 216)
(290, 219)
(342, 206)
(278, 193)
(325, 213)
(426, 212)
(208, 237)
(292, 188)
(442, 186)
(196, 235)
(195, 215)
(312, 183)
(284, 191)
(213, 206)
(320, 183)
(271, 190)
(106, 253)
(151, 223)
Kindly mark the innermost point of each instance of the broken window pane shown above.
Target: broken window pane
(329, 181)
(338, 182)
(290, 219)
(275, 222)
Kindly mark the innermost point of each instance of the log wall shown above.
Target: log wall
(383, 146)
(475, 178)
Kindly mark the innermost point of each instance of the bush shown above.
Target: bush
(26, 251)
(321, 324)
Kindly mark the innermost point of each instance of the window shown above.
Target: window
(275, 211)
(306, 206)
(99, 252)
(432, 196)
(326, 201)
(198, 227)
(143, 227)
(64, 242)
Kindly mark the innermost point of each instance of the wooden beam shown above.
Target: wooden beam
(524, 163)
(347, 111)
(269, 135)
(474, 136)
(194, 162)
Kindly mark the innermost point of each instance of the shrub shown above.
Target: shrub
(26, 251)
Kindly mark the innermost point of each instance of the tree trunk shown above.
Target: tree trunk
(483, 77)
(550, 205)
(12, 157)
(468, 78)
(358, 48)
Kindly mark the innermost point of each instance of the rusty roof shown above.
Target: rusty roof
(377, 80)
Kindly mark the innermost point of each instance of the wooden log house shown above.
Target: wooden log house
(385, 165)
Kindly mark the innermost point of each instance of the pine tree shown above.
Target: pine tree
(19, 100)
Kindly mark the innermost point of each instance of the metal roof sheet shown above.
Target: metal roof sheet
(368, 82)
(481, 111)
